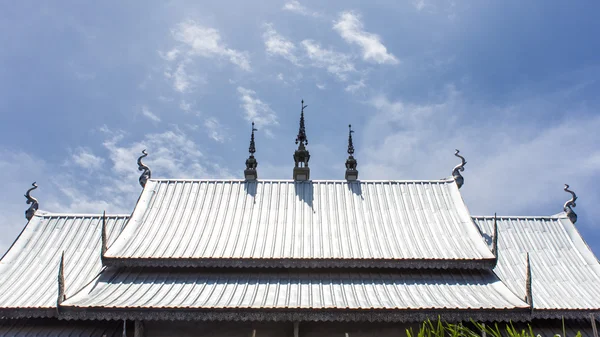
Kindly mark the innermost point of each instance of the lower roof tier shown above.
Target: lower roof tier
(230, 223)
(191, 289)
(565, 274)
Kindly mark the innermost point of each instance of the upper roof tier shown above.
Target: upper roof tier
(29, 270)
(565, 274)
(281, 223)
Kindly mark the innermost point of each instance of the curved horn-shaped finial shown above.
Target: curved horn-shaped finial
(61, 282)
(568, 207)
(528, 284)
(146, 173)
(459, 168)
(31, 200)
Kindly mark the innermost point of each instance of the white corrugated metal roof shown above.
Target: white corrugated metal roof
(201, 219)
(56, 328)
(565, 273)
(149, 288)
(29, 270)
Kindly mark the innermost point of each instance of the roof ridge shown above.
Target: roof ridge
(443, 180)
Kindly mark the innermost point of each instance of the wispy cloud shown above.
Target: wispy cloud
(206, 42)
(357, 85)
(336, 63)
(276, 44)
(215, 130)
(255, 109)
(149, 114)
(84, 158)
(352, 31)
(297, 7)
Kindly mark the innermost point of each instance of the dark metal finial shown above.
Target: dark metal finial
(301, 138)
(61, 281)
(31, 200)
(146, 173)
(528, 286)
(459, 168)
(252, 148)
(350, 143)
(568, 207)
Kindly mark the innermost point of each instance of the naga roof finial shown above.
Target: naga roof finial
(301, 138)
(459, 168)
(351, 171)
(568, 207)
(146, 173)
(495, 238)
(104, 239)
(31, 200)
(528, 284)
(61, 281)
(251, 163)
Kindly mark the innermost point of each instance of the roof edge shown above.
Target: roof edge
(469, 264)
(443, 180)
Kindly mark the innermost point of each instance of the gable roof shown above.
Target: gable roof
(283, 223)
(565, 274)
(29, 270)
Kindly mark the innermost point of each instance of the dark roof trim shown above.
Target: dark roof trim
(479, 264)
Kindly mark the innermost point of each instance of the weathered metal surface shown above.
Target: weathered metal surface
(318, 220)
(197, 289)
(56, 328)
(28, 271)
(565, 274)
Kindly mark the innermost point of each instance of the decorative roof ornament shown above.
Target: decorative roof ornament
(61, 281)
(495, 238)
(104, 243)
(31, 200)
(251, 163)
(146, 173)
(459, 168)
(351, 171)
(528, 287)
(568, 207)
(301, 155)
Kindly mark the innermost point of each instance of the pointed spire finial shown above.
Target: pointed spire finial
(31, 200)
(459, 168)
(301, 138)
(568, 207)
(301, 155)
(251, 163)
(61, 281)
(351, 171)
(146, 173)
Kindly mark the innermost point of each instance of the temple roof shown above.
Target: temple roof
(29, 270)
(565, 274)
(282, 223)
(272, 290)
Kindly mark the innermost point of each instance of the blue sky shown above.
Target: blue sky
(513, 84)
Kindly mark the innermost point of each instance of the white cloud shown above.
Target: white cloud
(352, 31)
(206, 42)
(86, 159)
(336, 63)
(215, 130)
(182, 81)
(171, 55)
(321, 86)
(278, 45)
(256, 110)
(185, 106)
(357, 85)
(297, 7)
(149, 114)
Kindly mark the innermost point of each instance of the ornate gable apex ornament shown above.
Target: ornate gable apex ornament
(146, 173)
(528, 284)
(351, 171)
(568, 207)
(33, 202)
(458, 169)
(301, 155)
(250, 173)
